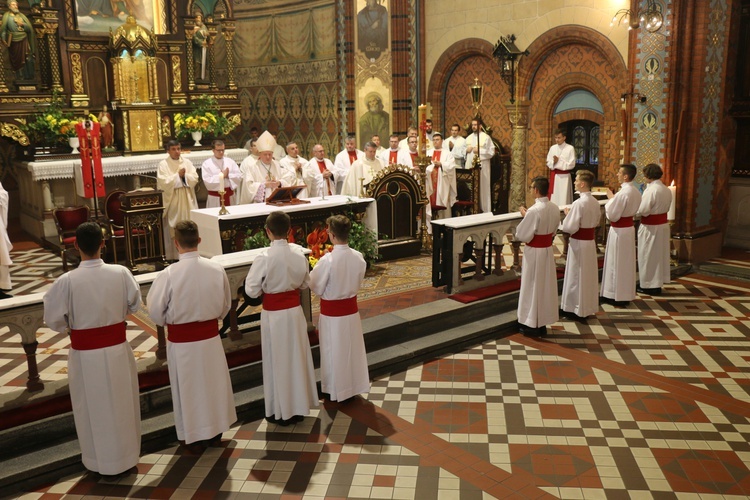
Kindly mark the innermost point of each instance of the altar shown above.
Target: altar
(50, 184)
(223, 234)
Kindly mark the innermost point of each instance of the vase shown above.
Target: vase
(197, 137)
(74, 143)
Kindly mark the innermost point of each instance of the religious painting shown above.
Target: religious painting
(375, 100)
(372, 28)
(98, 16)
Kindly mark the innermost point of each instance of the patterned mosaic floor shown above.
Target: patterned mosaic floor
(650, 401)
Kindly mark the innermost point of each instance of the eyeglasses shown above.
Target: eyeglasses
(219, 150)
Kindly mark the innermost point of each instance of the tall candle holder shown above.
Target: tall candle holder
(223, 210)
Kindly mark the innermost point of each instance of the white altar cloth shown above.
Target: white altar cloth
(207, 219)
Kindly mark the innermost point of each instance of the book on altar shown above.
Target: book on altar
(282, 196)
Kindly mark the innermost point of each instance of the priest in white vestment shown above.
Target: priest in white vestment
(618, 275)
(412, 132)
(456, 144)
(440, 184)
(295, 165)
(390, 156)
(176, 177)
(362, 172)
(5, 246)
(93, 302)
(218, 171)
(537, 302)
(486, 151)
(561, 160)
(409, 156)
(261, 178)
(653, 233)
(322, 168)
(190, 297)
(375, 139)
(580, 296)
(336, 279)
(344, 160)
(278, 274)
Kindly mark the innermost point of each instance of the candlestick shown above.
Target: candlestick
(672, 206)
(422, 127)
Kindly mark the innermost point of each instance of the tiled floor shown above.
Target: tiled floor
(650, 401)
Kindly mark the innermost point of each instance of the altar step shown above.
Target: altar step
(40, 452)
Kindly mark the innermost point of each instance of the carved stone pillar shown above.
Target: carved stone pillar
(211, 69)
(42, 51)
(51, 25)
(47, 196)
(228, 29)
(518, 115)
(189, 25)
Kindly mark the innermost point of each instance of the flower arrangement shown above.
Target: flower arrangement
(50, 124)
(317, 242)
(205, 117)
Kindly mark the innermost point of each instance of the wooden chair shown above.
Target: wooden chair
(67, 221)
(113, 213)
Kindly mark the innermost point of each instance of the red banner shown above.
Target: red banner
(91, 150)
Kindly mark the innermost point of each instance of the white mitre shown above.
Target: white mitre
(265, 142)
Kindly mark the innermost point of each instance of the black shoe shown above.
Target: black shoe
(532, 332)
(272, 420)
(648, 291)
(214, 441)
(621, 303)
(4, 295)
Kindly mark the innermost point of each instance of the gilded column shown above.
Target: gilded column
(51, 25)
(3, 85)
(211, 57)
(43, 66)
(518, 115)
(189, 25)
(228, 29)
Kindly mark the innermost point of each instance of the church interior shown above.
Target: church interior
(642, 401)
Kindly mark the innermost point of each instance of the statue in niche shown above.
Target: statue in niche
(200, 45)
(17, 33)
(372, 26)
(107, 129)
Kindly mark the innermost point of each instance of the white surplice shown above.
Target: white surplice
(458, 149)
(103, 382)
(361, 169)
(563, 189)
(341, 165)
(486, 152)
(302, 176)
(288, 371)
(405, 158)
(320, 183)
(445, 194)
(195, 289)
(654, 240)
(343, 359)
(385, 156)
(210, 171)
(580, 293)
(5, 244)
(618, 275)
(537, 302)
(254, 177)
(178, 197)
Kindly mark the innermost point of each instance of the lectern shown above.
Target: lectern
(143, 225)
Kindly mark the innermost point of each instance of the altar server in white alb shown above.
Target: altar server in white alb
(279, 273)
(218, 170)
(176, 177)
(580, 296)
(298, 169)
(653, 233)
(362, 172)
(440, 185)
(561, 160)
(486, 152)
(5, 246)
(262, 177)
(537, 302)
(92, 302)
(190, 297)
(322, 168)
(344, 160)
(336, 279)
(618, 275)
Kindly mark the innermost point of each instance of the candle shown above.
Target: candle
(221, 182)
(673, 205)
(422, 125)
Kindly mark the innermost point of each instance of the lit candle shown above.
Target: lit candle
(221, 182)
(421, 126)
(673, 205)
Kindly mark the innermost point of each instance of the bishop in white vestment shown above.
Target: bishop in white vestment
(177, 178)
(561, 160)
(93, 302)
(618, 275)
(440, 184)
(218, 171)
(486, 152)
(336, 279)
(537, 302)
(362, 172)
(653, 233)
(580, 296)
(262, 177)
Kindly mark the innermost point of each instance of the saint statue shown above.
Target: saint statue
(107, 130)
(200, 44)
(17, 33)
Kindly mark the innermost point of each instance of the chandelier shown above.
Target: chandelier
(650, 17)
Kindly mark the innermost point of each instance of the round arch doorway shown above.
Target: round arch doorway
(583, 135)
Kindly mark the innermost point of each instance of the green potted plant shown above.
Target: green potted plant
(204, 118)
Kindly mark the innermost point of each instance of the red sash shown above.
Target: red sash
(623, 222)
(228, 192)
(338, 308)
(393, 157)
(654, 220)
(280, 301)
(352, 156)
(322, 168)
(541, 240)
(433, 197)
(193, 332)
(86, 339)
(584, 233)
(555, 172)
